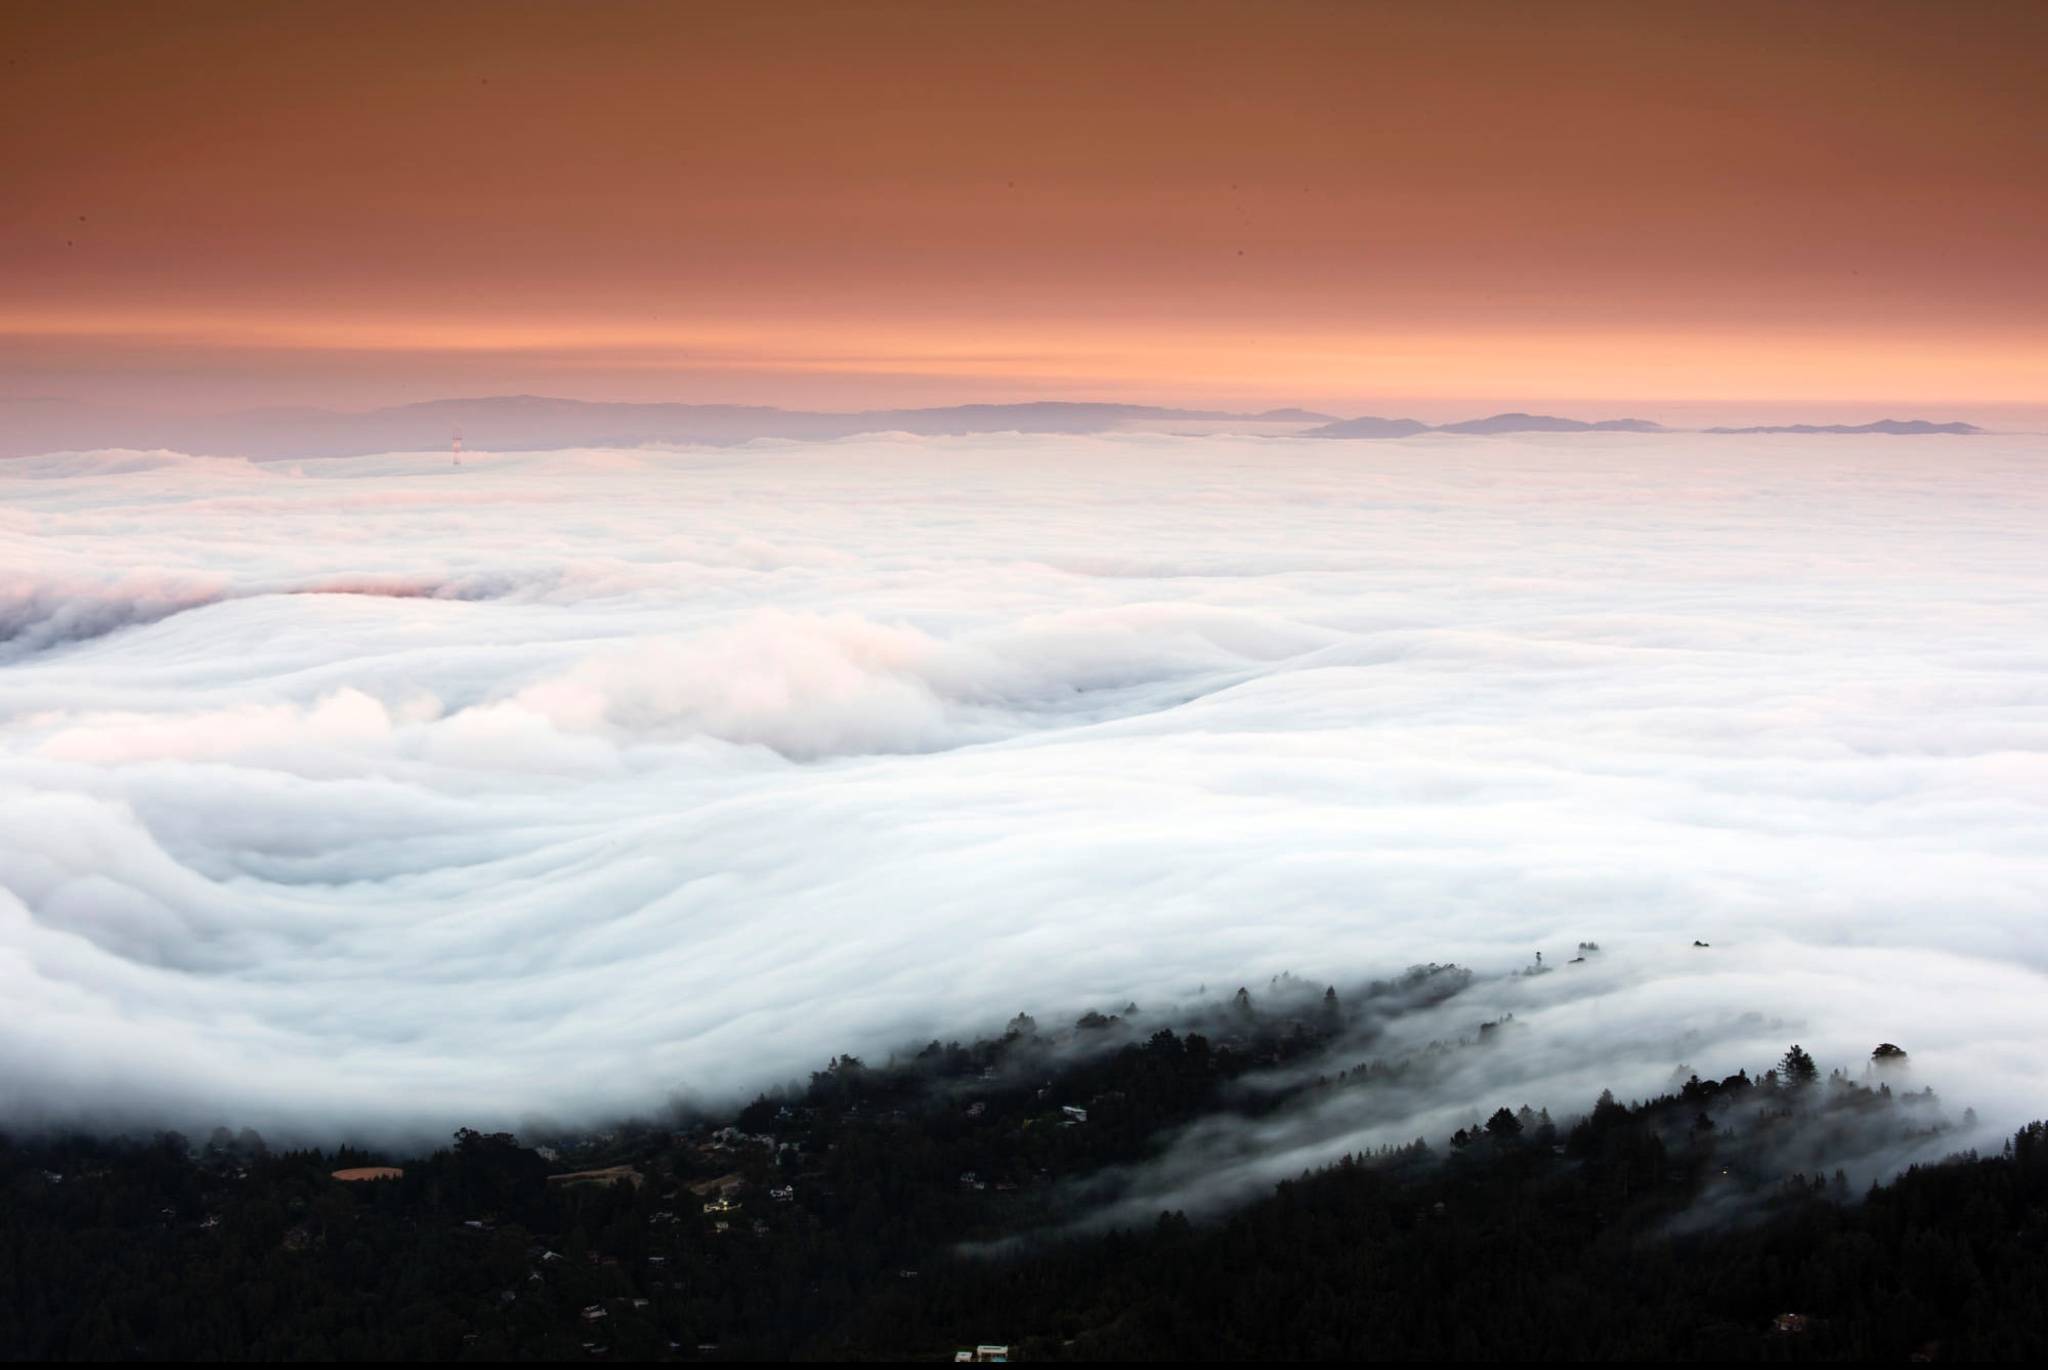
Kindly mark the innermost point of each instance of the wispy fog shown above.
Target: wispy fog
(381, 792)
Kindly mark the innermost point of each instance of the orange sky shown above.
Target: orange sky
(1662, 207)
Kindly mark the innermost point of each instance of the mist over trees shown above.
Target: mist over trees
(973, 1193)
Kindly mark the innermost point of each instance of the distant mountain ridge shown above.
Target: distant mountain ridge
(1370, 427)
(1496, 423)
(537, 422)
(510, 423)
(1549, 423)
(1896, 427)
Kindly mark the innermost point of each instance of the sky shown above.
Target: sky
(1685, 211)
(375, 793)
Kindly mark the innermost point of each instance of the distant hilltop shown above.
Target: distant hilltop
(1899, 427)
(1497, 423)
(1371, 427)
(513, 423)
(1546, 423)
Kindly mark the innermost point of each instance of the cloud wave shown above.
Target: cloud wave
(374, 791)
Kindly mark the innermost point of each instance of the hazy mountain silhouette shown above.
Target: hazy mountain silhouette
(510, 423)
(1369, 427)
(1898, 427)
(1549, 423)
(1497, 423)
(1294, 416)
(28, 426)
(538, 422)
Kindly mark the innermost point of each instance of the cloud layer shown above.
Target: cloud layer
(380, 792)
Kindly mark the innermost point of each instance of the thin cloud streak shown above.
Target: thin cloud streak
(1139, 357)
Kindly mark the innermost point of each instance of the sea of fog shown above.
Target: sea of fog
(378, 793)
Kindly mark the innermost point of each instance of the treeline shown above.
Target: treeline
(907, 1208)
(1631, 1236)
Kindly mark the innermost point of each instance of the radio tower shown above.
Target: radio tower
(456, 447)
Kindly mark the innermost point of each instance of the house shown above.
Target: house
(984, 1355)
(721, 1204)
(1075, 1115)
(594, 1312)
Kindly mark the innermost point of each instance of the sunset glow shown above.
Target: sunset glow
(1705, 207)
(956, 681)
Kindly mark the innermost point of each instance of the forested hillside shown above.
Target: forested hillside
(984, 1194)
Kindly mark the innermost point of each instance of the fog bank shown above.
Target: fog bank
(380, 792)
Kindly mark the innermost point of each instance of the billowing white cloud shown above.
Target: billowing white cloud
(381, 791)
